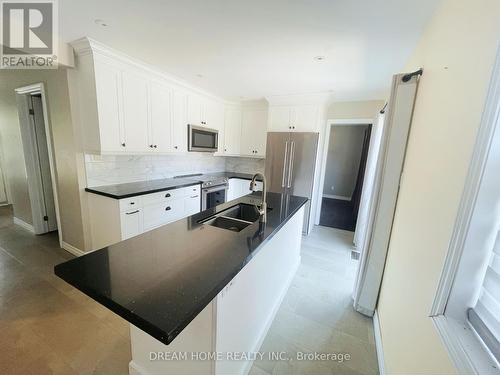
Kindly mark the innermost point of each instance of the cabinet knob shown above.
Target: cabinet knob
(167, 195)
(123, 144)
(151, 146)
(176, 147)
(155, 146)
(168, 208)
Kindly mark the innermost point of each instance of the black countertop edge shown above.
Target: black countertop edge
(112, 191)
(166, 337)
(103, 192)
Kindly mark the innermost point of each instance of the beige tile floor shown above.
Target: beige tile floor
(317, 313)
(48, 327)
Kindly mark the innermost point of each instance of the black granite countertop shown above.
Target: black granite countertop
(162, 279)
(132, 189)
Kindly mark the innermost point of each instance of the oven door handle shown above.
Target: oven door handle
(215, 188)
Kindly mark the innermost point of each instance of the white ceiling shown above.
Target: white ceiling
(255, 48)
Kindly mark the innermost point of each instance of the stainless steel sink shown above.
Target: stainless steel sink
(227, 223)
(234, 218)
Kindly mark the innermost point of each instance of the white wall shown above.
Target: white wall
(358, 109)
(457, 52)
(342, 163)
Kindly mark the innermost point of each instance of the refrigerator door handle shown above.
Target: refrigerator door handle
(290, 164)
(284, 165)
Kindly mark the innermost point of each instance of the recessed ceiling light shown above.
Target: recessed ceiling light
(319, 58)
(100, 23)
(199, 75)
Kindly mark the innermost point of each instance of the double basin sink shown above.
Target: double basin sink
(235, 218)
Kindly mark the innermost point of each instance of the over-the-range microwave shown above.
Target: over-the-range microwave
(202, 139)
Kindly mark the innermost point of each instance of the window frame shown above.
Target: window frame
(466, 349)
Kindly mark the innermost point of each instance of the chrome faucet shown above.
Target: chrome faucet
(263, 206)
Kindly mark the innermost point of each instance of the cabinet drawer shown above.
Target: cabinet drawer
(130, 203)
(167, 195)
(131, 223)
(162, 213)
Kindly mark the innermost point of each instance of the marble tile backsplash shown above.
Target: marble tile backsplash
(117, 169)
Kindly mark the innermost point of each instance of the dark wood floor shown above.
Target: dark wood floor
(337, 213)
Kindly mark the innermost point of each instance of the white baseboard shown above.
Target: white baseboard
(73, 250)
(24, 224)
(378, 344)
(340, 197)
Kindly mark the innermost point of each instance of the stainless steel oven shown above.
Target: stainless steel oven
(212, 196)
(202, 139)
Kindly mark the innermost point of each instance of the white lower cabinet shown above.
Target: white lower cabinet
(114, 220)
(239, 187)
(131, 223)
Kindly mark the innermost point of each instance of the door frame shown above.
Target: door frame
(39, 88)
(326, 133)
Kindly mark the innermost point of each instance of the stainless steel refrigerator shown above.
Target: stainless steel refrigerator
(290, 165)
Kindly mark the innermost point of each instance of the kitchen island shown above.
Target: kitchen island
(191, 287)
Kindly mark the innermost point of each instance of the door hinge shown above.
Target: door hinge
(31, 112)
(45, 218)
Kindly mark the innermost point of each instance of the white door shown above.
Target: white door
(279, 118)
(179, 121)
(108, 88)
(385, 193)
(135, 111)
(232, 131)
(161, 119)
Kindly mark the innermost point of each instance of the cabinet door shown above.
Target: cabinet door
(135, 111)
(279, 118)
(233, 189)
(260, 136)
(131, 223)
(194, 110)
(305, 118)
(108, 87)
(232, 131)
(192, 204)
(179, 121)
(161, 119)
(213, 117)
(253, 131)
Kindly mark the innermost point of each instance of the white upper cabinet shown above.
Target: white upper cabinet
(179, 121)
(232, 130)
(305, 118)
(135, 111)
(253, 132)
(107, 88)
(280, 119)
(124, 107)
(299, 118)
(161, 130)
(195, 110)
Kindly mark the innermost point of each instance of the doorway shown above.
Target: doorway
(37, 150)
(347, 153)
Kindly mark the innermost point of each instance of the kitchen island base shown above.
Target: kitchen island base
(235, 322)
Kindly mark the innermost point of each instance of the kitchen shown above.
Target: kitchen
(164, 184)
